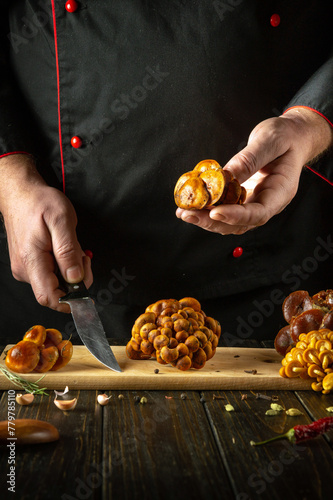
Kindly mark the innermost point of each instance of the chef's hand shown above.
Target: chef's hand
(276, 152)
(40, 223)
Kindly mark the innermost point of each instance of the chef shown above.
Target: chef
(103, 105)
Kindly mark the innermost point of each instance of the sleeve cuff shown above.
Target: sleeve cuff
(311, 109)
(17, 153)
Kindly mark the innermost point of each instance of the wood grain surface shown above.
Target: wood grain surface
(180, 444)
(226, 370)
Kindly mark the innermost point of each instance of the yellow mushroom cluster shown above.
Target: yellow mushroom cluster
(311, 358)
(176, 332)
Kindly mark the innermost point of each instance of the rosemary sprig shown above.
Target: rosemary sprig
(30, 387)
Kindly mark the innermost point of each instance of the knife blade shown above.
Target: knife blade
(88, 324)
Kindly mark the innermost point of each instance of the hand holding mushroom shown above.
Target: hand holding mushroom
(270, 165)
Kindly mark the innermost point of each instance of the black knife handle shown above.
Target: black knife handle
(73, 290)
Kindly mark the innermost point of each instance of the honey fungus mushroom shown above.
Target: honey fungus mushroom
(41, 350)
(304, 313)
(175, 332)
(23, 357)
(208, 185)
(311, 358)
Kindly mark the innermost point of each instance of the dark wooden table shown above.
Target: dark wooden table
(172, 448)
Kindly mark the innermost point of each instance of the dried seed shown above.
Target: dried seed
(272, 413)
(276, 407)
(253, 372)
(294, 412)
(229, 407)
(156, 370)
(121, 396)
(217, 397)
(168, 397)
(143, 400)
(183, 396)
(330, 409)
(244, 396)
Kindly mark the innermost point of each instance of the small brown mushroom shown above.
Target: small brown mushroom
(201, 337)
(184, 363)
(146, 329)
(295, 303)
(169, 355)
(48, 358)
(207, 185)
(199, 359)
(160, 341)
(192, 343)
(182, 349)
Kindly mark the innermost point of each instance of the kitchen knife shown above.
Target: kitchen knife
(88, 323)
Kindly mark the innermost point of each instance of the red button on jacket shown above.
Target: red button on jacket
(275, 20)
(237, 252)
(76, 142)
(71, 6)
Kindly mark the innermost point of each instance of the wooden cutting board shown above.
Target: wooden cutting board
(224, 371)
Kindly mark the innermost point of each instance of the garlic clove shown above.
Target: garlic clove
(58, 393)
(65, 404)
(24, 399)
(103, 399)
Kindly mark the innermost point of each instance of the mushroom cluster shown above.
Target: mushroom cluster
(208, 185)
(312, 357)
(42, 349)
(304, 313)
(176, 332)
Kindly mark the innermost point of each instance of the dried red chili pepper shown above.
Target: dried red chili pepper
(302, 432)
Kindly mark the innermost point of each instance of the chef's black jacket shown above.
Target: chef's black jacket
(116, 99)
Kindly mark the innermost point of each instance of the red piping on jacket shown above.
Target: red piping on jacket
(319, 175)
(58, 93)
(311, 109)
(328, 121)
(16, 153)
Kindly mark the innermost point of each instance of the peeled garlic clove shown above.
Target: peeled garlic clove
(24, 399)
(103, 399)
(65, 404)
